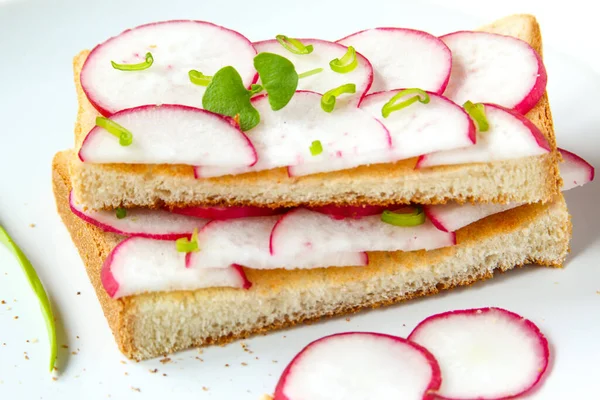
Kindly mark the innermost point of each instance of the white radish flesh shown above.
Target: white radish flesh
(358, 366)
(422, 128)
(487, 353)
(323, 52)
(171, 134)
(152, 224)
(302, 231)
(510, 136)
(574, 170)
(177, 47)
(246, 242)
(349, 137)
(491, 68)
(139, 265)
(403, 58)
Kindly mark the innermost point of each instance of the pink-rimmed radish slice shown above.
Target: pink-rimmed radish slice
(171, 134)
(423, 128)
(223, 213)
(484, 353)
(246, 242)
(152, 224)
(510, 136)
(323, 52)
(492, 68)
(303, 231)
(360, 365)
(140, 265)
(403, 58)
(349, 137)
(341, 212)
(574, 170)
(177, 47)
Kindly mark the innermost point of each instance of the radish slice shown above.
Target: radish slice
(171, 134)
(403, 58)
(323, 53)
(140, 265)
(491, 68)
(177, 47)
(349, 137)
(302, 231)
(423, 128)
(510, 136)
(246, 242)
(152, 224)
(485, 353)
(357, 366)
(223, 213)
(356, 212)
(574, 170)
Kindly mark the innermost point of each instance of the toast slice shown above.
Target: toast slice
(524, 180)
(154, 324)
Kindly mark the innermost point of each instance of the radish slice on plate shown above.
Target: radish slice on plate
(349, 137)
(356, 212)
(170, 134)
(246, 242)
(574, 170)
(140, 265)
(321, 82)
(176, 47)
(422, 128)
(223, 213)
(152, 224)
(358, 366)
(403, 58)
(305, 232)
(510, 136)
(491, 68)
(485, 353)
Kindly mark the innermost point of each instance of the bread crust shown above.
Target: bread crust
(526, 180)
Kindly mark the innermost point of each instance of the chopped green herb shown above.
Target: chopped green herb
(392, 105)
(310, 73)
(328, 99)
(135, 67)
(255, 89)
(279, 78)
(198, 78)
(125, 137)
(121, 213)
(413, 218)
(185, 245)
(294, 45)
(38, 288)
(316, 148)
(477, 114)
(347, 63)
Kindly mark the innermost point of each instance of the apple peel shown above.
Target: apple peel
(360, 365)
(484, 353)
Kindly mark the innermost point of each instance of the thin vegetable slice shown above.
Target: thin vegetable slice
(294, 45)
(329, 97)
(347, 63)
(185, 245)
(125, 137)
(38, 288)
(414, 218)
(198, 78)
(477, 114)
(394, 105)
(147, 63)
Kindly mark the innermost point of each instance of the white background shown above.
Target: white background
(37, 110)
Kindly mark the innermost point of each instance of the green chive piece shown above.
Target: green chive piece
(125, 137)
(329, 97)
(135, 67)
(121, 213)
(38, 288)
(198, 78)
(477, 114)
(414, 218)
(185, 245)
(294, 45)
(316, 148)
(255, 89)
(279, 78)
(347, 63)
(310, 73)
(394, 105)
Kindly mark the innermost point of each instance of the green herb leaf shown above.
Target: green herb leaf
(294, 45)
(477, 114)
(279, 78)
(185, 245)
(347, 63)
(135, 67)
(316, 148)
(38, 288)
(413, 218)
(394, 105)
(328, 98)
(125, 137)
(226, 95)
(121, 213)
(198, 78)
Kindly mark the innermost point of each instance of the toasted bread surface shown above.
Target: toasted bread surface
(527, 180)
(535, 233)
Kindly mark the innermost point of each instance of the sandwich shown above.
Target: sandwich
(278, 182)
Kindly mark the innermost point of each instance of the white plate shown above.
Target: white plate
(37, 110)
